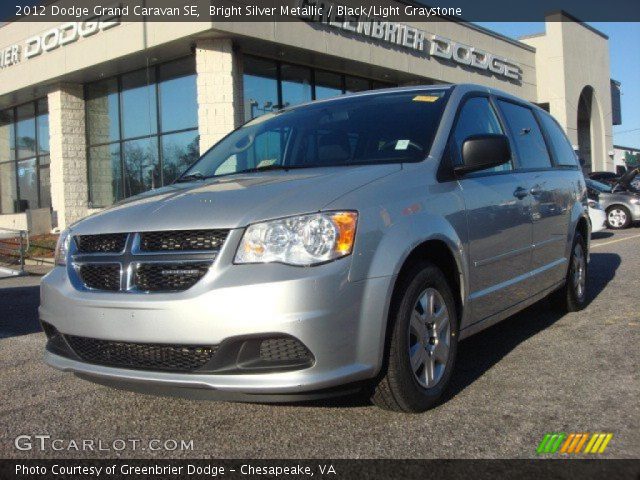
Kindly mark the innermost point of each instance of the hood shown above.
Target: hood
(232, 201)
(626, 179)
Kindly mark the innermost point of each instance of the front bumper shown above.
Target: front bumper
(341, 322)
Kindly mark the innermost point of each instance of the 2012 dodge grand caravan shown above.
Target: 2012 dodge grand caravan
(328, 247)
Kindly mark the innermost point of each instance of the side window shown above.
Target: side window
(562, 149)
(476, 118)
(532, 150)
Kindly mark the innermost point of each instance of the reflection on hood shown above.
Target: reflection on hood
(233, 201)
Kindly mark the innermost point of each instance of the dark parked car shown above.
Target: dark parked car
(627, 181)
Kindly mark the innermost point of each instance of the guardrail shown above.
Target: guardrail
(18, 249)
(14, 245)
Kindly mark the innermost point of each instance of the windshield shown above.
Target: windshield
(364, 129)
(599, 186)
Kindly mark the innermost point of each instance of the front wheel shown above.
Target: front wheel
(422, 344)
(618, 217)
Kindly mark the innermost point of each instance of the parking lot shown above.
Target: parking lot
(534, 373)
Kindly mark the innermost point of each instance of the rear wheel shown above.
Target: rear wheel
(422, 345)
(618, 217)
(572, 297)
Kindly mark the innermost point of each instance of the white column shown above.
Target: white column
(69, 189)
(219, 83)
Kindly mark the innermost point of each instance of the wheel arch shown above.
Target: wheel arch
(616, 205)
(439, 253)
(583, 228)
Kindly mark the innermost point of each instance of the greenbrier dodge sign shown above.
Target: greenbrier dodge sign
(359, 22)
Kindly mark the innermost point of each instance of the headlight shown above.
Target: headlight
(301, 240)
(62, 248)
(635, 200)
(594, 204)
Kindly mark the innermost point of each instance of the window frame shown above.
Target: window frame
(159, 132)
(37, 156)
(279, 63)
(547, 137)
(447, 161)
(512, 141)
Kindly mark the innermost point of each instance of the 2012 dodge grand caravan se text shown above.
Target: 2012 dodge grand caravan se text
(344, 244)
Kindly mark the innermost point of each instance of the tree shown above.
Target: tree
(632, 159)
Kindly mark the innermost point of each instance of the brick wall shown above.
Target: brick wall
(219, 83)
(69, 192)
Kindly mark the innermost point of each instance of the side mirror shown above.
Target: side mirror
(483, 151)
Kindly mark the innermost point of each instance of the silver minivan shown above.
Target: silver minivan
(339, 246)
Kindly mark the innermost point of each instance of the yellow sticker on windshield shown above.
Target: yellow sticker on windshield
(425, 98)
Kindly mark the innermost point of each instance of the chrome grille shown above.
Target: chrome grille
(106, 243)
(181, 240)
(101, 276)
(147, 262)
(166, 277)
(147, 356)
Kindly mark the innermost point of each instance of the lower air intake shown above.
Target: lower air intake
(142, 356)
(283, 349)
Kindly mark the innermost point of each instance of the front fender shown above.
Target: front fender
(384, 248)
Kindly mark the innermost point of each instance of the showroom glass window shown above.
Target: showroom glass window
(24, 157)
(270, 85)
(142, 130)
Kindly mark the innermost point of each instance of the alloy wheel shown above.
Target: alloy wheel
(429, 338)
(579, 271)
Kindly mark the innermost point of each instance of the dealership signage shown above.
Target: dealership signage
(54, 38)
(406, 36)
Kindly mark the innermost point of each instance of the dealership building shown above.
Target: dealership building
(97, 111)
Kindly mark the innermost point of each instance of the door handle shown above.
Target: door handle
(520, 193)
(535, 190)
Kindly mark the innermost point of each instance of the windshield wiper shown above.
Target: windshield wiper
(269, 167)
(191, 177)
(200, 176)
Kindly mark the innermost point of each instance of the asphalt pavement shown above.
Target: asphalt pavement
(535, 373)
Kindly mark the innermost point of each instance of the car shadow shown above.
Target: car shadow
(479, 353)
(19, 307)
(601, 235)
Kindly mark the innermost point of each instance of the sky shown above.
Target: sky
(624, 48)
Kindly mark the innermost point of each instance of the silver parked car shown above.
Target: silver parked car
(341, 245)
(622, 205)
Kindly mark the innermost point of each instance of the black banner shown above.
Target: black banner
(319, 469)
(318, 10)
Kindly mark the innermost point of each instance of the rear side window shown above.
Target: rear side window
(532, 150)
(476, 118)
(562, 149)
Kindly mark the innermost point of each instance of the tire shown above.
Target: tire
(401, 387)
(618, 217)
(572, 297)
